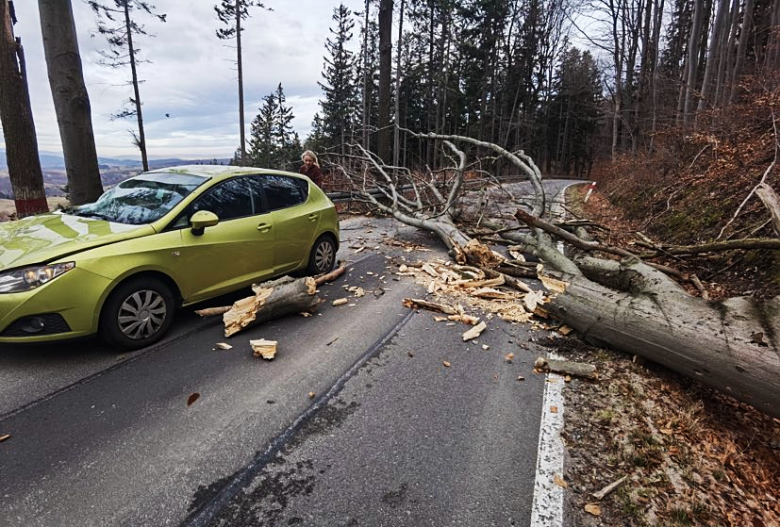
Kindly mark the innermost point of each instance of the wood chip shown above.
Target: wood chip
(264, 348)
(474, 332)
(223, 346)
(4, 437)
(446, 364)
(339, 302)
(565, 330)
(431, 306)
(593, 509)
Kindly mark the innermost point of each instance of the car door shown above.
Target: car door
(294, 220)
(232, 254)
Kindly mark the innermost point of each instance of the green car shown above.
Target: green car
(121, 266)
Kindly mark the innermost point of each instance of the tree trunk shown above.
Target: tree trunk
(691, 65)
(71, 100)
(397, 127)
(21, 143)
(731, 346)
(272, 300)
(744, 32)
(385, 65)
(136, 90)
(239, 65)
(713, 55)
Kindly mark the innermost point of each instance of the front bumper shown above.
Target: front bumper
(67, 307)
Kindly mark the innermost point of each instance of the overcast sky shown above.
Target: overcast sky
(192, 75)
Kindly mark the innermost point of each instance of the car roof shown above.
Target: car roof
(219, 172)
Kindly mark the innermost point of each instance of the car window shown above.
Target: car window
(141, 199)
(228, 200)
(282, 191)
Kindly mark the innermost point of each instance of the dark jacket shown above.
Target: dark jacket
(314, 173)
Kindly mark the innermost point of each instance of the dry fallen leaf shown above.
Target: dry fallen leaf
(4, 437)
(553, 409)
(446, 364)
(593, 509)
(192, 398)
(559, 481)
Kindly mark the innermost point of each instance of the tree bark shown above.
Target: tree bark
(71, 100)
(732, 346)
(21, 143)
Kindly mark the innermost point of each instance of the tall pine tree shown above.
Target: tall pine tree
(339, 108)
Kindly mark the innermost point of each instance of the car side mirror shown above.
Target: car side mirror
(202, 219)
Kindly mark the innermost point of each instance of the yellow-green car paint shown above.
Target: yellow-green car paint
(224, 258)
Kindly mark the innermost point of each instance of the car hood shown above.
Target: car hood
(47, 237)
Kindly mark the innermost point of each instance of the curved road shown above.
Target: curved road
(390, 437)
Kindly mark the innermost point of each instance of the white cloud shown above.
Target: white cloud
(189, 93)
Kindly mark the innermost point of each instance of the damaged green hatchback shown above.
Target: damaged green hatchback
(167, 238)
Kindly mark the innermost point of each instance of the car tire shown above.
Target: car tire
(137, 313)
(322, 256)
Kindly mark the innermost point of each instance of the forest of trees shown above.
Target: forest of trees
(569, 82)
(564, 80)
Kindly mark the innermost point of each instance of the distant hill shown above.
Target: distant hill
(112, 170)
(55, 161)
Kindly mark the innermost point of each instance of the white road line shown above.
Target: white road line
(547, 508)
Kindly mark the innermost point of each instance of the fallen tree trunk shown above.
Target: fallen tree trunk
(732, 346)
(272, 300)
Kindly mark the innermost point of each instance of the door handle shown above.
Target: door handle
(313, 217)
(263, 227)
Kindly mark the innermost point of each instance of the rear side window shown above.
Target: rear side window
(282, 192)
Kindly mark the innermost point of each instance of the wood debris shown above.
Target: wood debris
(466, 319)
(339, 302)
(474, 332)
(264, 348)
(223, 346)
(431, 306)
(329, 277)
(272, 299)
(609, 488)
(531, 300)
(576, 369)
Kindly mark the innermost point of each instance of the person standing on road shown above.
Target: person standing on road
(311, 168)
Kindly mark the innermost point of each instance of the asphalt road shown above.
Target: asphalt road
(391, 435)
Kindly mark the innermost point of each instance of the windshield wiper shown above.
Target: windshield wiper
(90, 214)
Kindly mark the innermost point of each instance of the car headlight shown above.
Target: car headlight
(28, 278)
